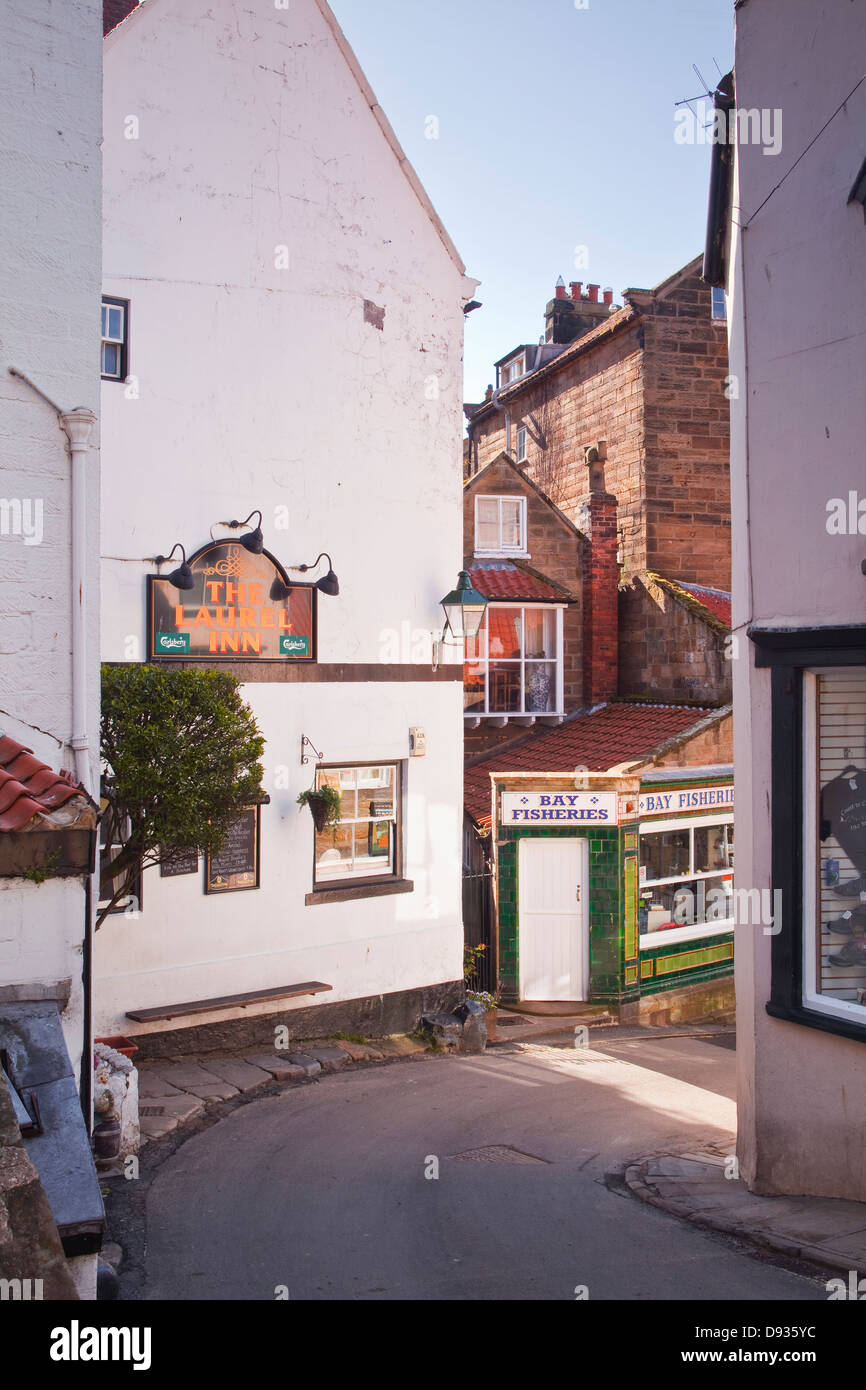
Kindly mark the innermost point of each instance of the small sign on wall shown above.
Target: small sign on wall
(558, 808)
(236, 865)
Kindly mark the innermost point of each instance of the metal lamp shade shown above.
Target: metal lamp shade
(182, 577)
(464, 607)
(329, 584)
(254, 541)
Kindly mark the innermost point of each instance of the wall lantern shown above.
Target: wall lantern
(182, 577)
(328, 584)
(464, 609)
(255, 541)
(464, 613)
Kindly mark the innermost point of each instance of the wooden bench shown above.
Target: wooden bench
(227, 1001)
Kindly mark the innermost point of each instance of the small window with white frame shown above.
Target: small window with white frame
(521, 443)
(511, 371)
(686, 879)
(720, 304)
(115, 339)
(365, 843)
(500, 525)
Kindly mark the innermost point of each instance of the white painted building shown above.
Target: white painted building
(796, 268)
(292, 309)
(50, 267)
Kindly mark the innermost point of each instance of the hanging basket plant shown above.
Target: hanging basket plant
(324, 804)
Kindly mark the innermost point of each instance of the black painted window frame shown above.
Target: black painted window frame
(788, 652)
(123, 304)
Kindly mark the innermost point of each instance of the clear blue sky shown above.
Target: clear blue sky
(556, 130)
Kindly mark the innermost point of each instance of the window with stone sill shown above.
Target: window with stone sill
(364, 844)
(500, 525)
(514, 665)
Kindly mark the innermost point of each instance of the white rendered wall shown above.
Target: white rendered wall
(50, 132)
(798, 427)
(264, 387)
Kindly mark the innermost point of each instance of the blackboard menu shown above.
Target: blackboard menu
(236, 865)
(184, 863)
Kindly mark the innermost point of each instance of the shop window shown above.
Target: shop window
(834, 858)
(514, 665)
(686, 879)
(115, 339)
(818, 810)
(500, 525)
(365, 842)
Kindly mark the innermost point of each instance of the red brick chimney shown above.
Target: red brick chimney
(113, 11)
(560, 289)
(597, 519)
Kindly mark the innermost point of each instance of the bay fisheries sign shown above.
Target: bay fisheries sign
(558, 808)
(231, 612)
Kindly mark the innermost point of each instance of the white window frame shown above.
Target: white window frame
(476, 712)
(512, 370)
(719, 312)
(811, 996)
(521, 443)
(691, 931)
(502, 550)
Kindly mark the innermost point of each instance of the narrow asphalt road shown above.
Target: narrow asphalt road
(321, 1191)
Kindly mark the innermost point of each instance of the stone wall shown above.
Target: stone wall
(667, 652)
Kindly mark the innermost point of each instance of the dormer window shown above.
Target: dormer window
(500, 525)
(513, 369)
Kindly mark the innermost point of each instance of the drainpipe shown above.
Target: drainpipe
(78, 424)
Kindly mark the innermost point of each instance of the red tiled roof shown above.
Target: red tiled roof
(598, 741)
(29, 787)
(498, 579)
(716, 600)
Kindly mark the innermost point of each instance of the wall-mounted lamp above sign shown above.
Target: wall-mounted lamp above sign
(230, 601)
(182, 577)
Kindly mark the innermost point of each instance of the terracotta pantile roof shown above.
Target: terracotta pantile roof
(598, 740)
(499, 579)
(29, 787)
(716, 600)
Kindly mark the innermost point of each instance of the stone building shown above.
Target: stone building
(631, 402)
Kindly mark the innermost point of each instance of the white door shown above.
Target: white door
(553, 921)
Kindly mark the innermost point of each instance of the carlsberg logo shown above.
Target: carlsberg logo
(76, 1343)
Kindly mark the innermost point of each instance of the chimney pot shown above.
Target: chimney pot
(592, 291)
(608, 297)
(575, 286)
(560, 288)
